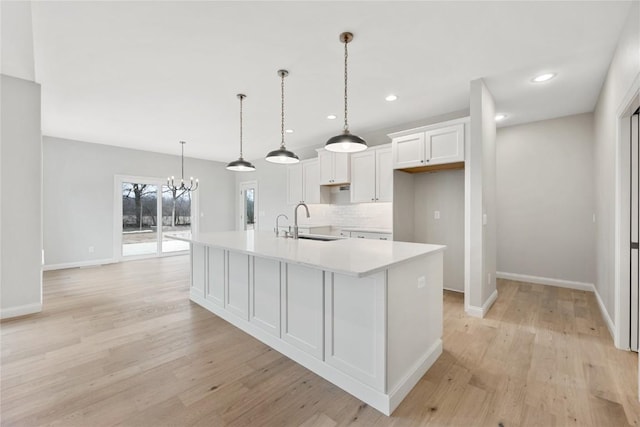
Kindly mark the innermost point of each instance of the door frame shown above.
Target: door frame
(240, 204)
(622, 241)
(118, 180)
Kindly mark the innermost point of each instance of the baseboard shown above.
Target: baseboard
(454, 290)
(90, 263)
(605, 316)
(22, 310)
(414, 375)
(480, 312)
(569, 284)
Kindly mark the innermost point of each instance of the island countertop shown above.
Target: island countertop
(354, 257)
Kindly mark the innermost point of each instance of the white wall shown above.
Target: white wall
(622, 72)
(481, 161)
(16, 33)
(79, 195)
(20, 198)
(442, 191)
(545, 200)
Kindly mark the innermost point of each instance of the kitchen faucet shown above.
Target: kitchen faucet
(277, 230)
(295, 218)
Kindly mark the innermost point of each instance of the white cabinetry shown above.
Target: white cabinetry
(335, 168)
(372, 175)
(355, 323)
(302, 309)
(237, 295)
(215, 280)
(366, 235)
(265, 295)
(303, 183)
(428, 146)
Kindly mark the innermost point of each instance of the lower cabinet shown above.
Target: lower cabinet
(355, 326)
(198, 270)
(302, 309)
(215, 276)
(237, 292)
(264, 294)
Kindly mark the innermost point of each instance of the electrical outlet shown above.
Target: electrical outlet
(91, 248)
(436, 214)
(422, 282)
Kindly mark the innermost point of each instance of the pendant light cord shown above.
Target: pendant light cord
(282, 110)
(182, 169)
(346, 56)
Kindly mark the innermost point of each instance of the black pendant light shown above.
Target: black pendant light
(282, 155)
(241, 165)
(346, 142)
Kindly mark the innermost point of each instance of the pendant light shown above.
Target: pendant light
(241, 165)
(346, 142)
(282, 155)
(171, 180)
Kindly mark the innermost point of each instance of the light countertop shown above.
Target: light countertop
(368, 230)
(354, 257)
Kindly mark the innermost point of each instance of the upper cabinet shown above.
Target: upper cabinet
(372, 175)
(303, 183)
(429, 146)
(335, 168)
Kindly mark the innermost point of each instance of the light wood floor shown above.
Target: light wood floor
(122, 345)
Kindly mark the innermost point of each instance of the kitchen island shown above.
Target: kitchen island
(364, 314)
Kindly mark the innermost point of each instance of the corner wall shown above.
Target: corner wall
(623, 72)
(480, 289)
(20, 198)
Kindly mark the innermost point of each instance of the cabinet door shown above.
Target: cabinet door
(198, 269)
(325, 163)
(215, 276)
(341, 168)
(356, 326)
(384, 175)
(445, 145)
(294, 184)
(311, 181)
(408, 151)
(265, 295)
(363, 177)
(302, 309)
(237, 294)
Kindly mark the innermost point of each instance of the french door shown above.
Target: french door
(147, 214)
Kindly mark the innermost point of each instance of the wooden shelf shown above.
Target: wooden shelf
(434, 168)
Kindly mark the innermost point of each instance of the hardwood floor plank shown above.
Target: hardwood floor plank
(123, 345)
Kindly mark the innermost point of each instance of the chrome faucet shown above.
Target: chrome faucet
(295, 218)
(277, 230)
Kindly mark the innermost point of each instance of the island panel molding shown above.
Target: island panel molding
(370, 325)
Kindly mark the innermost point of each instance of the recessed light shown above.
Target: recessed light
(391, 97)
(500, 117)
(543, 77)
(331, 117)
(289, 131)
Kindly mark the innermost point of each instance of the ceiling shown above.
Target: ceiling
(145, 75)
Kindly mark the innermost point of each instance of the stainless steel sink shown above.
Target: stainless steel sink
(318, 238)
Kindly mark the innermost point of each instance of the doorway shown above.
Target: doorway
(147, 215)
(248, 206)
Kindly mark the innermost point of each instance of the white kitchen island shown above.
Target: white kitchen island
(364, 314)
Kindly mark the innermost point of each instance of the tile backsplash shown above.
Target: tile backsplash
(342, 213)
